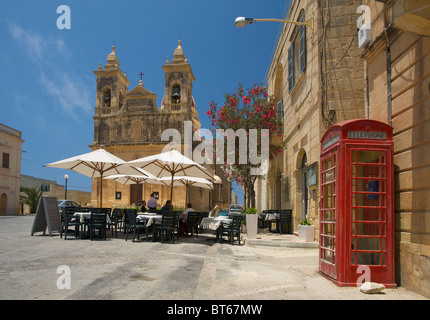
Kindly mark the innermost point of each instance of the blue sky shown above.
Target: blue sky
(47, 82)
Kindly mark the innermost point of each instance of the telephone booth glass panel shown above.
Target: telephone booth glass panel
(368, 207)
(328, 215)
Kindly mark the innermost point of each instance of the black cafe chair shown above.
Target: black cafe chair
(68, 219)
(192, 223)
(231, 229)
(98, 221)
(114, 221)
(134, 225)
(285, 218)
(168, 225)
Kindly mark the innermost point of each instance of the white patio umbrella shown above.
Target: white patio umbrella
(137, 179)
(187, 182)
(171, 164)
(94, 164)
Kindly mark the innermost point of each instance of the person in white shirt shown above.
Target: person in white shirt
(152, 203)
(184, 215)
(183, 219)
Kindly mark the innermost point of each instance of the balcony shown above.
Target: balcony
(175, 107)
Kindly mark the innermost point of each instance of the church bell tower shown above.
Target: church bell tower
(178, 87)
(112, 86)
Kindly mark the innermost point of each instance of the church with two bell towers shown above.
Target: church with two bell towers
(129, 124)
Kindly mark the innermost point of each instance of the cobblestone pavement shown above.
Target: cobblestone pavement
(191, 269)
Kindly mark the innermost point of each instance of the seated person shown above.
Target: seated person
(183, 219)
(184, 214)
(143, 209)
(168, 206)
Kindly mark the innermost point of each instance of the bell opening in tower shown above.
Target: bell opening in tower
(176, 94)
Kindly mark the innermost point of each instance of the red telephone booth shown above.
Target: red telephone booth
(357, 203)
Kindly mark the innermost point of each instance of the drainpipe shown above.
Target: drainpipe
(388, 77)
(367, 96)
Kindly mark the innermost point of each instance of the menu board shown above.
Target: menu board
(47, 216)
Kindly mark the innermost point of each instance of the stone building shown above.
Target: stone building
(316, 78)
(53, 189)
(129, 124)
(10, 169)
(397, 71)
(338, 72)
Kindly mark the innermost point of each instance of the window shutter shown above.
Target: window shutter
(302, 48)
(291, 67)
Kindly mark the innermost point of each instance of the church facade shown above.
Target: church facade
(129, 124)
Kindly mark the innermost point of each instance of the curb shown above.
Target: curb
(280, 243)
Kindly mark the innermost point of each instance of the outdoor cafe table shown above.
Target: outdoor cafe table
(149, 218)
(272, 217)
(213, 223)
(86, 216)
(82, 216)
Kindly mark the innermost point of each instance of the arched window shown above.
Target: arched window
(176, 94)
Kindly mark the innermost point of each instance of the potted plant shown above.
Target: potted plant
(251, 222)
(306, 231)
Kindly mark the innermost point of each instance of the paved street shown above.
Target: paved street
(191, 269)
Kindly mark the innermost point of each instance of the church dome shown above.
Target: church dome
(112, 58)
(179, 53)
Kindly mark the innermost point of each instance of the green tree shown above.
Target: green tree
(246, 109)
(31, 197)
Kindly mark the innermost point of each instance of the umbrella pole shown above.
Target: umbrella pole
(101, 191)
(138, 195)
(171, 190)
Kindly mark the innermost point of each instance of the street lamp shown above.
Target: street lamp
(65, 189)
(241, 22)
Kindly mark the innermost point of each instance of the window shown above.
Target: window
(176, 94)
(280, 110)
(297, 55)
(107, 98)
(5, 160)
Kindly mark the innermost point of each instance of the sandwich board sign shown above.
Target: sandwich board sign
(47, 216)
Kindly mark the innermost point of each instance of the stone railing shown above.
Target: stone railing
(175, 107)
(10, 131)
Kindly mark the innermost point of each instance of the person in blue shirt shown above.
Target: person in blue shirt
(168, 206)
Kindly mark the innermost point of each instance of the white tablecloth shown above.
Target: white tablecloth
(213, 223)
(149, 218)
(272, 216)
(87, 215)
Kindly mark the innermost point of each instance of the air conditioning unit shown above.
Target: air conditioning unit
(364, 35)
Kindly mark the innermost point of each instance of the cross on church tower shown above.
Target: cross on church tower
(141, 74)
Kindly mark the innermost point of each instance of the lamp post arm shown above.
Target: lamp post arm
(308, 23)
